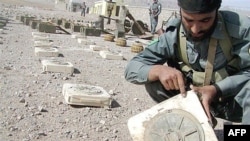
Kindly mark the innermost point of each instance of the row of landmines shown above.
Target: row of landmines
(76, 94)
(51, 25)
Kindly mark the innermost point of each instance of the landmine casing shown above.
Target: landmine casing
(109, 37)
(90, 31)
(85, 41)
(175, 119)
(66, 24)
(41, 38)
(46, 52)
(27, 20)
(75, 36)
(23, 17)
(137, 47)
(34, 24)
(46, 27)
(121, 42)
(97, 48)
(76, 27)
(57, 66)
(40, 34)
(44, 43)
(111, 55)
(87, 95)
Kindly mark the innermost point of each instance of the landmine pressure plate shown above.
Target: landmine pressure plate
(175, 119)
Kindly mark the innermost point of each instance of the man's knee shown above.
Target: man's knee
(243, 98)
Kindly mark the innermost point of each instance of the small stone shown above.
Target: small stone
(22, 100)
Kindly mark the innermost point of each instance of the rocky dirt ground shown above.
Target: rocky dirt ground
(32, 106)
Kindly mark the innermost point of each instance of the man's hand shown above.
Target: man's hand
(170, 78)
(207, 95)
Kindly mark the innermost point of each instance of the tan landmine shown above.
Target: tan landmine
(43, 43)
(46, 52)
(109, 37)
(175, 119)
(111, 55)
(121, 42)
(85, 41)
(137, 47)
(97, 48)
(57, 66)
(86, 95)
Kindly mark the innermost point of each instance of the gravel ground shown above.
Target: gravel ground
(32, 106)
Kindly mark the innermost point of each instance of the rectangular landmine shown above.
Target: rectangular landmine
(41, 38)
(90, 31)
(87, 95)
(111, 55)
(66, 24)
(75, 36)
(175, 118)
(27, 20)
(57, 66)
(43, 44)
(34, 24)
(46, 52)
(46, 27)
(85, 41)
(40, 34)
(76, 27)
(97, 48)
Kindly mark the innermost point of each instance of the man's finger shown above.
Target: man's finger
(176, 85)
(207, 110)
(181, 85)
(166, 85)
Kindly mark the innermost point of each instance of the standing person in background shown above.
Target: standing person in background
(83, 9)
(109, 10)
(154, 12)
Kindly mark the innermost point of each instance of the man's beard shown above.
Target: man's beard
(206, 33)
